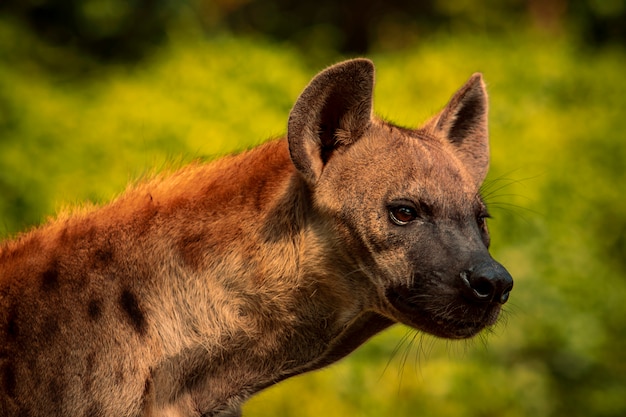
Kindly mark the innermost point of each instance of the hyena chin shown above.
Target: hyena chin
(193, 291)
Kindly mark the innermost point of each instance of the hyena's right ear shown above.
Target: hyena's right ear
(333, 111)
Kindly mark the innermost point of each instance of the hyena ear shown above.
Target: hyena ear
(464, 123)
(333, 111)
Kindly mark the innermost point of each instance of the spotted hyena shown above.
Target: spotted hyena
(193, 291)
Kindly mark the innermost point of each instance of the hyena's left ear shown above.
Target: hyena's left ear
(464, 123)
(333, 111)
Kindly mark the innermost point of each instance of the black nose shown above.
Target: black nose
(488, 281)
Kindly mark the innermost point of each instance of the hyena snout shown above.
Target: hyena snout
(488, 281)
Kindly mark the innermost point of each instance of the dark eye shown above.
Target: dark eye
(481, 219)
(402, 215)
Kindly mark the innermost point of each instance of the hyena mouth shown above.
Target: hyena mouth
(440, 315)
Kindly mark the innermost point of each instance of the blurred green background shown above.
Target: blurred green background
(95, 94)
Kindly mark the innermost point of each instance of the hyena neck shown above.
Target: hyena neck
(265, 315)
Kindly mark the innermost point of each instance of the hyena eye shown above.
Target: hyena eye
(484, 231)
(481, 219)
(402, 215)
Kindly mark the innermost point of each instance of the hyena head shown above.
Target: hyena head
(406, 202)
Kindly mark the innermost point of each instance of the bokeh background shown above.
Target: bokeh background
(95, 94)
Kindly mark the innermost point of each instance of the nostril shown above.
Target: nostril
(477, 287)
(488, 283)
(483, 287)
(504, 297)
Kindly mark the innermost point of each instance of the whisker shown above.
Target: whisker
(395, 351)
(490, 190)
(407, 354)
(431, 345)
(488, 187)
(516, 210)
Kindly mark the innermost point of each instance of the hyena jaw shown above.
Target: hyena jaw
(193, 291)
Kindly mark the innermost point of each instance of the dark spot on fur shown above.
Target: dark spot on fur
(94, 309)
(24, 412)
(131, 307)
(102, 257)
(11, 326)
(8, 380)
(55, 390)
(119, 375)
(50, 279)
(49, 327)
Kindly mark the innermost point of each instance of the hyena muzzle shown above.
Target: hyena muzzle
(192, 291)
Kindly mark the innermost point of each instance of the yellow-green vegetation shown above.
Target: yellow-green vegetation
(555, 191)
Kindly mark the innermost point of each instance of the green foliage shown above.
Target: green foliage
(555, 192)
(66, 140)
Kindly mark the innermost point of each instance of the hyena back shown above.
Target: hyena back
(193, 291)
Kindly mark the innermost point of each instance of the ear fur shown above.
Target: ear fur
(463, 122)
(334, 110)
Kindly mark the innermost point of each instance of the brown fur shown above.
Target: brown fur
(191, 292)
